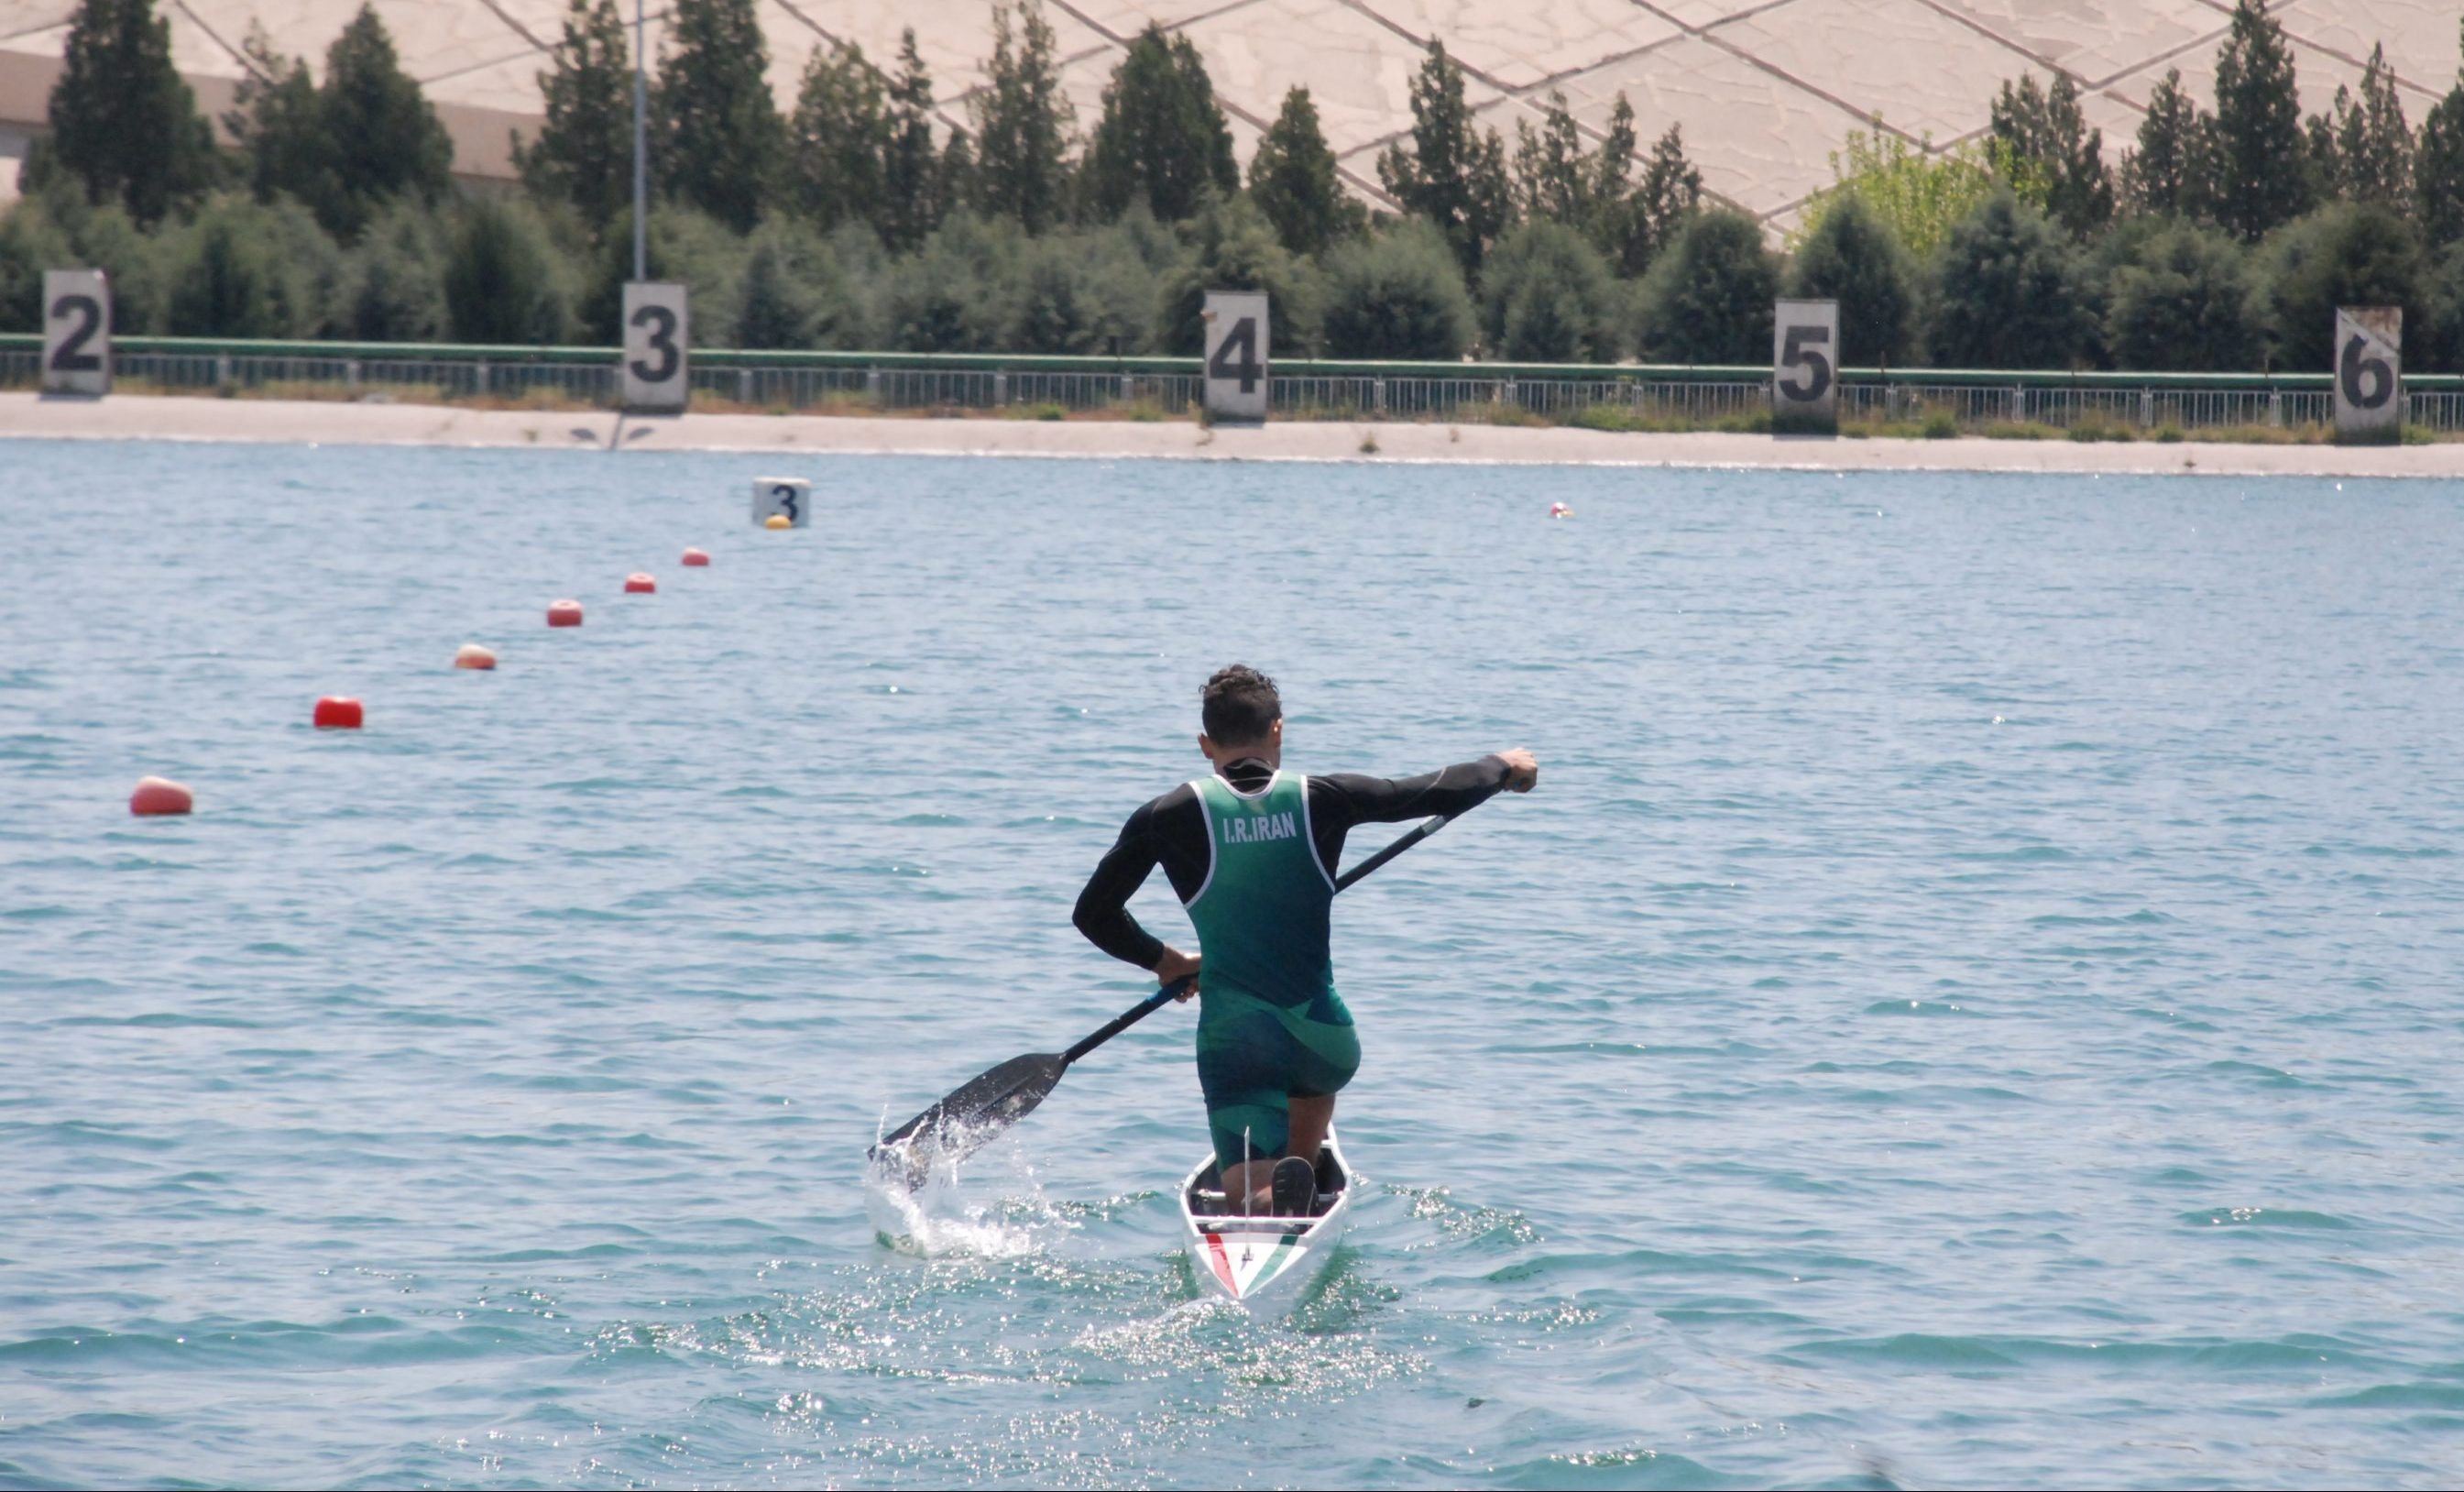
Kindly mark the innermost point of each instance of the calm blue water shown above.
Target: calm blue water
(1975, 999)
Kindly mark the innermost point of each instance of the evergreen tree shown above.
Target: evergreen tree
(1852, 257)
(1023, 118)
(2442, 345)
(1709, 298)
(1233, 247)
(1451, 174)
(955, 178)
(2346, 253)
(1546, 296)
(1292, 180)
(124, 125)
(2006, 289)
(2438, 168)
(2261, 169)
(2186, 301)
(2372, 161)
(1554, 177)
(501, 283)
(276, 119)
(2047, 136)
(839, 140)
(913, 191)
(381, 133)
(2171, 171)
(583, 153)
(1664, 201)
(1398, 295)
(718, 135)
(1162, 139)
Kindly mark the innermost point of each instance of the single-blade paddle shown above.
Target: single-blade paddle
(959, 1124)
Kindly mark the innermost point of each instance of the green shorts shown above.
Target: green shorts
(1255, 1058)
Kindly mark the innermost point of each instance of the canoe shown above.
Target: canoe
(1264, 1264)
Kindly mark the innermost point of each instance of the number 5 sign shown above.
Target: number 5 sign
(77, 332)
(656, 334)
(1805, 367)
(2369, 374)
(1235, 354)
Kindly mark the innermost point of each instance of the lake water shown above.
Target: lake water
(1974, 1000)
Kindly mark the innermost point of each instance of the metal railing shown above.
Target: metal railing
(892, 383)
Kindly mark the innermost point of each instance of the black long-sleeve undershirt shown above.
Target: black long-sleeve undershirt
(1171, 831)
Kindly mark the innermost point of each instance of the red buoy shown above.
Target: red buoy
(339, 712)
(564, 613)
(696, 559)
(639, 585)
(158, 795)
(474, 655)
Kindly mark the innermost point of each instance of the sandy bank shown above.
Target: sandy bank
(137, 418)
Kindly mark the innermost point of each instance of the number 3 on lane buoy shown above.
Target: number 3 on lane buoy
(789, 497)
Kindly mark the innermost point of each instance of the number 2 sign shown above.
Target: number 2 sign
(656, 334)
(77, 332)
(2369, 374)
(1235, 354)
(1805, 367)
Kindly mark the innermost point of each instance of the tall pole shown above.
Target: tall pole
(641, 153)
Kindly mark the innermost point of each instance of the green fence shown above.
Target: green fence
(892, 382)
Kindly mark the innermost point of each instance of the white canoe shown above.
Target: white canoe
(1265, 1263)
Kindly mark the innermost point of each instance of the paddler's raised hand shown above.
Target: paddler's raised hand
(1522, 769)
(1176, 966)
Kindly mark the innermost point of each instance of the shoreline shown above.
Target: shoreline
(25, 416)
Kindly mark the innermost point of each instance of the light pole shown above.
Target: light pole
(641, 152)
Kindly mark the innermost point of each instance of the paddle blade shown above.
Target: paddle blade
(958, 1125)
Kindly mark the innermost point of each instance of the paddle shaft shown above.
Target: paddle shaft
(1170, 992)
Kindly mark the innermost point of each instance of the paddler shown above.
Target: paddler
(1252, 851)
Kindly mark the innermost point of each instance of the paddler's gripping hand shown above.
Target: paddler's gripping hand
(1522, 769)
(1176, 966)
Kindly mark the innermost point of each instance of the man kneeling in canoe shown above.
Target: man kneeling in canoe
(1252, 851)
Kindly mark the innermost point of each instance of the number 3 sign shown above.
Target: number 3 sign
(77, 332)
(656, 334)
(1805, 367)
(2369, 382)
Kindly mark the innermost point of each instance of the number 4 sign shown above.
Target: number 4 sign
(2369, 374)
(1235, 354)
(77, 332)
(1805, 367)
(656, 334)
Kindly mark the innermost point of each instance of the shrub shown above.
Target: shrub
(393, 283)
(793, 294)
(953, 294)
(1852, 255)
(2346, 254)
(1079, 293)
(1547, 296)
(502, 281)
(1400, 295)
(241, 269)
(2442, 347)
(2007, 291)
(2185, 302)
(1709, 298)
(29, 243)
(1233, 247)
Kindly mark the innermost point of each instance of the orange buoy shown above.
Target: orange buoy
(339, 713)
(696, 559)
(778, 520)
(564, 613)
(471, 655)
(639, 585)
(159, 795)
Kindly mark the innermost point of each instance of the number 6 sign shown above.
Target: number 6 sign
(1805, 367)
(2369, 374)
(1235, 354)
(77, 332)
(656, 334)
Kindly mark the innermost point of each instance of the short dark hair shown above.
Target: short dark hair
(1239, 705)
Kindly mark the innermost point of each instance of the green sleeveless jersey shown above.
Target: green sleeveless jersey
(1261, 914)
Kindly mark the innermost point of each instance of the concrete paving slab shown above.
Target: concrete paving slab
(433, 37)
(2316, 74)
(1761, 141)
(1924, 71)
(2420, 36)
(2093, 40)
(1126, 19)
(1697, 14)
(17, 17)
(1525, 44)
(1357, 72)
